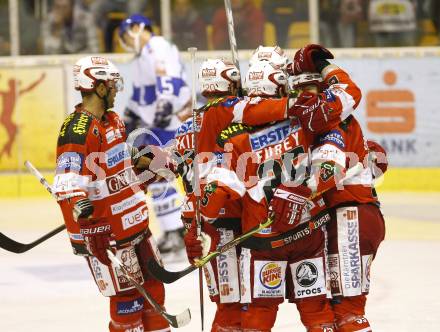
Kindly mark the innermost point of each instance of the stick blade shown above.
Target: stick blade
(179, 320)
(168, 277)
(8, 244)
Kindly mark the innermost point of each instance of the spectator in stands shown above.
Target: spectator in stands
(393, 22)
(5, 47)
(350, 12)
(281, 13)
(69, 28)
(249, 25)
(189, 29)
(110, 13)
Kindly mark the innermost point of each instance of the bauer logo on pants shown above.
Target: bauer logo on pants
(269, 278)
(308, 278)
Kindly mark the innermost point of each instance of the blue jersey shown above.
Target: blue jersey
(158, 73)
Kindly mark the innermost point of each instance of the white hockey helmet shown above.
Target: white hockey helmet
(217, 77)
(303, 79)
(90, 70)
(265, 80)
(273, 54)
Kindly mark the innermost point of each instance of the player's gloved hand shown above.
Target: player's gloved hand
(164, 112)
(82, 208)
(161, 160)
(287, 206)
(200, 246)
(97, 234)
(309, 59)
(131, 120)
(378, 156)
(313, 112)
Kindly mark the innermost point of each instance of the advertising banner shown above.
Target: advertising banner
(31, 112)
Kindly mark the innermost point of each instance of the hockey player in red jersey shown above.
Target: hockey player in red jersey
(261, 158)
(221, 274)
(101, 201)
(357, 226)
(218, 81)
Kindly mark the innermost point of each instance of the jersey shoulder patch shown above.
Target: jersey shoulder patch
(333, 137)
(230, 101)
(74, 129)
(212, 103)
(234, 129)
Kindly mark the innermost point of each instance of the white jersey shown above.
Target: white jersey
(158, 73)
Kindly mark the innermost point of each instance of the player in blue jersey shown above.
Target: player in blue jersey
(160, 101)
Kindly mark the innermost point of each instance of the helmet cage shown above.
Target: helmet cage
(303, 79)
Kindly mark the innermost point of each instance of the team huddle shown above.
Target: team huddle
(290, 154)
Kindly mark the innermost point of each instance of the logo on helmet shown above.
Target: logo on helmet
(256, 75)
(97, 60)
(264, 55)
(209, 72)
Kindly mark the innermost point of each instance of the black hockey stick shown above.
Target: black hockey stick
(168, 277)
(176, 321)
(8, 244)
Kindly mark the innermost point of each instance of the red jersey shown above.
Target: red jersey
(94, 161)
(346, 146)
(183, 154)
(260, 160)
(217, 115)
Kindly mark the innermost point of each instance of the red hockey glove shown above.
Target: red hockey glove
(161, 159)
(82, 208)
(379, 156)
(97, 234)
(287, 206)
(197, 247)
(313, 112)
(305, 59)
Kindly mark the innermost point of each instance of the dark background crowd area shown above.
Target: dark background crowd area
(91, 26)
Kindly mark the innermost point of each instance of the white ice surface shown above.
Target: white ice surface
(49, 289)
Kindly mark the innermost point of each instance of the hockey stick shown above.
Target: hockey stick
(169, 277)
(11, 245)
(176, 321)
(192, 51)
(39, 176)
(233, 41)
(8, 244)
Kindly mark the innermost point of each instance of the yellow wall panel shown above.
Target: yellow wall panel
(32, 108)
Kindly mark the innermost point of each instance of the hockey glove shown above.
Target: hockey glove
(310, 59)
(313, 112)
(82, 208)
(287, 207)
(97, 234)
(164, 112)
(200, 246)
(131, 120)
(379, 157)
